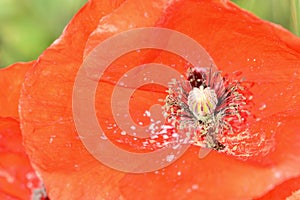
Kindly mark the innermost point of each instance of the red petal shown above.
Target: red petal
(236, 40)
(17, 178)
(7, 196)
(283, 190)
(11, 79)
(234, 179)
(57, 65)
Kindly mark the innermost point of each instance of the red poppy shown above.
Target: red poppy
(267, 56)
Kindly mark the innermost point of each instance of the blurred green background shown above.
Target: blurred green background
(27, 27)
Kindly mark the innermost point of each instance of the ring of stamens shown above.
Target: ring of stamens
(204, 106)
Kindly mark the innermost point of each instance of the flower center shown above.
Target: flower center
(205, 106)
(214, 112)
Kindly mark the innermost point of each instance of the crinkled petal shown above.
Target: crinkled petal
(54, 130)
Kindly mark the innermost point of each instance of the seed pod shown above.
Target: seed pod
(202, 102)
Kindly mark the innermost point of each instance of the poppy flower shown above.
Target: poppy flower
(265, 54)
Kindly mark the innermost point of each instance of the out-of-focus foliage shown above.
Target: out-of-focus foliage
(283, 12)
(27, 27)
